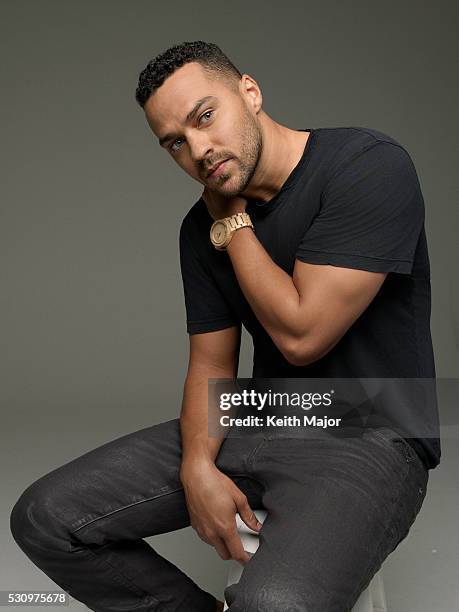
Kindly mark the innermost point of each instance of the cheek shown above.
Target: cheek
(187, 166)
(183, 161)
(226, 135)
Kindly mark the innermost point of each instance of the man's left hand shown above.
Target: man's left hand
(219, 206)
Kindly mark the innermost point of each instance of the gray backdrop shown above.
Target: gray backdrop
(93, 319)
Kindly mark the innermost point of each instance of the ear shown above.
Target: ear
(251, 92)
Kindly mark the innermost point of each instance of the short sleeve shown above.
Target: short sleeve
(206, 308)
(371, 214)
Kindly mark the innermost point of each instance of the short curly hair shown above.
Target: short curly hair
(209, 55)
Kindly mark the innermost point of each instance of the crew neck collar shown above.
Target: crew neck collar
(263, 207)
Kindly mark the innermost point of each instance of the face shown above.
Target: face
(201, 121)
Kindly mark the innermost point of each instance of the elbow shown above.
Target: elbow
(299, 352)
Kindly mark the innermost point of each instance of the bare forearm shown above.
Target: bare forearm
(269, 290)
(198, 447)
(196, 443)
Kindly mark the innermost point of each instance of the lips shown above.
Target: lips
(212, 170)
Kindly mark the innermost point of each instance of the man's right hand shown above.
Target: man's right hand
(213, 500)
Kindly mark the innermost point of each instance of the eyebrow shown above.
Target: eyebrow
(188, 118)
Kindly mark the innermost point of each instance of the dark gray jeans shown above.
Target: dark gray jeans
(336, 508)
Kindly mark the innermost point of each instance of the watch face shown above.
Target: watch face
(219, 233)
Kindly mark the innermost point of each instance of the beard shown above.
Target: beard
(231, 184)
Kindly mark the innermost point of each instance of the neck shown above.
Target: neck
(282, 150)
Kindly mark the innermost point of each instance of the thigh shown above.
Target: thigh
(127, 488)
(336, 508)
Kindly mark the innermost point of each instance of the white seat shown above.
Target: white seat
(372, 599)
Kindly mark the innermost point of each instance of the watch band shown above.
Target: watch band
(240, 219)
(232, 223)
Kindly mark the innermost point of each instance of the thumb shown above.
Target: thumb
(248, 516)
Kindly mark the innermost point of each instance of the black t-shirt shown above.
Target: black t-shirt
(353, 201)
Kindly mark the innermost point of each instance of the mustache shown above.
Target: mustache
(213, 164)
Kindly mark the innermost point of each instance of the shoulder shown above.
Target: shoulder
(354, 138)
(362, 147)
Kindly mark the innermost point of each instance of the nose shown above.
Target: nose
(200, 149)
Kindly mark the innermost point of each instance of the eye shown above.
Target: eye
(205, 114)
(172, 147)
(208, 114)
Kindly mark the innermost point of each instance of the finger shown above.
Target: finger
(234, 545)
(247, 515)
(221, 548)
(215, 541)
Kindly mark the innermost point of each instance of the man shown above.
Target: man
(324, 261)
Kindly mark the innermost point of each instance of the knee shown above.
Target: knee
(33, 521)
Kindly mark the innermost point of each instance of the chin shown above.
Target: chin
(229, 187)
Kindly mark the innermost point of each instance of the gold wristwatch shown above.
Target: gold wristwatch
(222, 230)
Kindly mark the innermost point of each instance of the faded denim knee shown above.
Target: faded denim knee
(35, 524)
